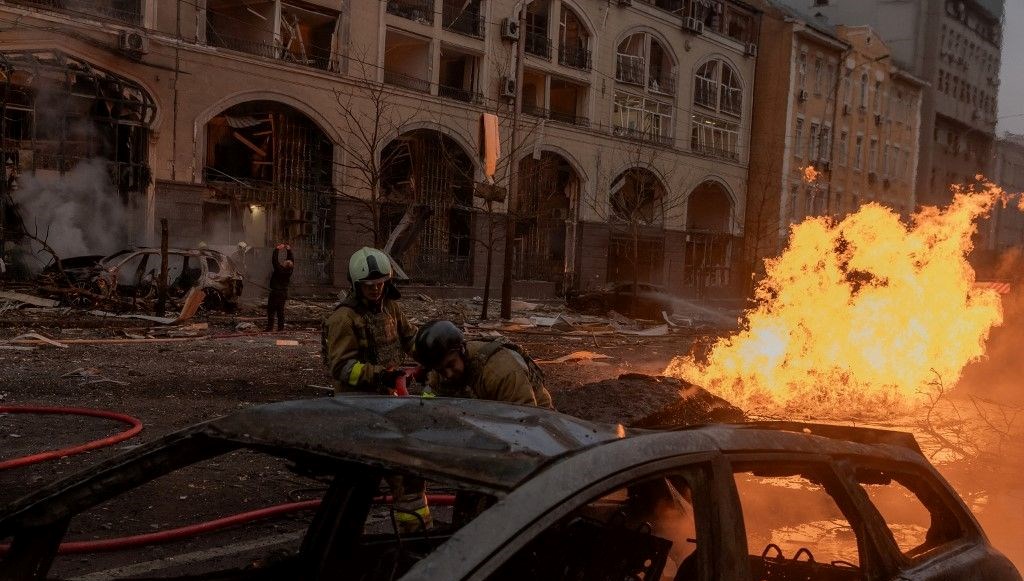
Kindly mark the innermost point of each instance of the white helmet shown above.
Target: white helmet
(367, 264)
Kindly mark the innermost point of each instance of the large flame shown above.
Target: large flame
(863, 314)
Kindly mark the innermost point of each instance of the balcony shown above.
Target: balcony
(416, 10)
(268, 50)
(468, 22)
(712, 151)
(630, 69)
(569, 118)
(406, 82)
(535, 111)
(459, 94)
(537, 42)
(640, 135)
(124, 11)
(574, 56)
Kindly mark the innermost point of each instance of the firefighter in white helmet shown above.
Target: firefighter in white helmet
(364, 341)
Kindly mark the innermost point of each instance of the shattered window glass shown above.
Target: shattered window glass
(646, 530)
(794, 525)
(915, 514)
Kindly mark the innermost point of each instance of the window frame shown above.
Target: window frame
(715, 525)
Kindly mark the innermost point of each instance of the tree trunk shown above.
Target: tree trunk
(161, 281)
(489, 262)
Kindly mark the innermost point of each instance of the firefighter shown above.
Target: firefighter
(280, 278)
(492, 369)
(364, 341)
(367, 336)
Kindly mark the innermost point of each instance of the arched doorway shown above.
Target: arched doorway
(636, 251)
(709, 238)
(545, 207)
(269, 168)
(427, 179)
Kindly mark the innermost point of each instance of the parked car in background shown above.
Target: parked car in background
(133, 273)
(647, 302)
(537, 495)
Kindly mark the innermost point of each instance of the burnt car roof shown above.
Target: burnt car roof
(490, 446)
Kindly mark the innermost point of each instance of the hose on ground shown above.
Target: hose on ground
(134, 423)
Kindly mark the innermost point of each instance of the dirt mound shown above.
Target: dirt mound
(646, 401)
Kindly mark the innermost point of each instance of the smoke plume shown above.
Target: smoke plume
(77, 213)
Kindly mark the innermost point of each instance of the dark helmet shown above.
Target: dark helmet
(435, 340)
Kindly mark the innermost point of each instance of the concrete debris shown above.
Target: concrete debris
(245, 326)
(38, 337)
(193, 300)
(658, 331)
(575, 356)
(522, 305)
(287, 343)
(28, 299)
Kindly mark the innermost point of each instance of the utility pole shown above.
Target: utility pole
(510, 227)
(161, 281)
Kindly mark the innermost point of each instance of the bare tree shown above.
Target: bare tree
(638, 200)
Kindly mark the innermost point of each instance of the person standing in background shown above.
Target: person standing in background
(279, 280)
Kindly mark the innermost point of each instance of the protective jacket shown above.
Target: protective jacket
(497, 370)
(359, 340)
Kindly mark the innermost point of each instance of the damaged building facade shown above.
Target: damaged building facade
(328, 124)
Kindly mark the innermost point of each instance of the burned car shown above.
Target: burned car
(132, 274)
(649, 300)
(536, 494)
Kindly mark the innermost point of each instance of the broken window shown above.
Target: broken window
(407, 61)
(568, 102)
(637, 196)
(549, 190)
(651, 529)
(915, 514)
(428, 170)
(573, 41)
(795, 523)
(458, 76)
(303, 35)
(126, 11)
(709, 242)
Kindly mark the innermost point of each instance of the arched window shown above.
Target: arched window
(718, 105)
(643, 105)
(573, 41)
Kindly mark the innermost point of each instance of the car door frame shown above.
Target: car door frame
(483, 545)
(876, 560)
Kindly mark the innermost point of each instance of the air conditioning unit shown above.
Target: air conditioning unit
(751, 49)
(878, 119)
(693, 25)
(872, 177)
(508, 87)
(846, 108)
(510, 29)
(132, 42)
(803, 95)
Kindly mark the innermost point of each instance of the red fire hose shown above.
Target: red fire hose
(170, 535)
(136, 427)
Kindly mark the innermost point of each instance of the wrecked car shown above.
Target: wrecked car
(537, 495)
(133, 273)
(649, 300)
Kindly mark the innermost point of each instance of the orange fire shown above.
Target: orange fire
(810, 174)
(859, 315)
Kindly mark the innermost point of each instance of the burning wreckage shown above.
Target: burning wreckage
(532, 493)
(131, 278)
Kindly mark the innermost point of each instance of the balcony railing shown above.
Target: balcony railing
(132, 16)
(537, 42)
(630, 68)
(459, 94)
(712, 151)
(664, 84)
(268, 50)
(574, 56)
(535, 111)
(406, 82)
(416, 10)
(639, 135)
(570, 118)
(466, 22)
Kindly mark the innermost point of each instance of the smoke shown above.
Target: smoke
(77, 213)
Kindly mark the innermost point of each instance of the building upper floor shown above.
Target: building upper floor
(676, 73)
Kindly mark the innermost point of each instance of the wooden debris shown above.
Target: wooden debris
(28, 299)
